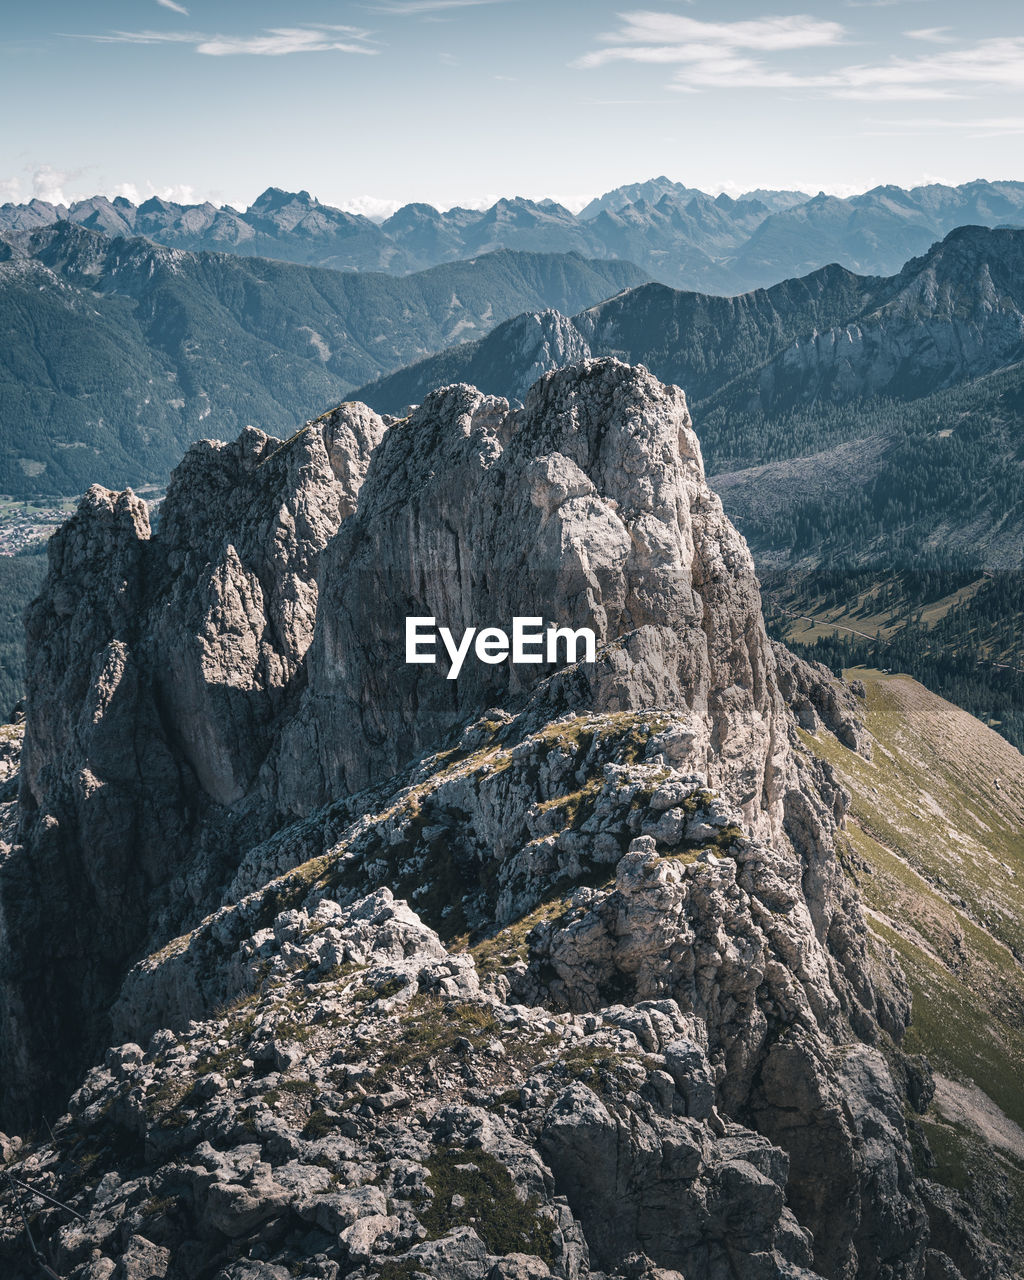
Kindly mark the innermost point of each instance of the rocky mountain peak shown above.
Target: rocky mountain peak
(157, 204)
(587, 507)
(580, 929)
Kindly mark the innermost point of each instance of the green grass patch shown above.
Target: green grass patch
(473, 1188)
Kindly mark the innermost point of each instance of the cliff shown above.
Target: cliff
(536, 972)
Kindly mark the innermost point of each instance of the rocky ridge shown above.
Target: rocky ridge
(686, 237)
(832, 337)
(544, 975)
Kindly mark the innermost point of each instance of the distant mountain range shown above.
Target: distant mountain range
(117, 353)
(656, 188)
(866, 434)
(679, 235)
(902, 396)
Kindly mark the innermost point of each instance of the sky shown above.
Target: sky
(371, 105)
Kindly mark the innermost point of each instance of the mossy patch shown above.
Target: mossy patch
(473, 1188)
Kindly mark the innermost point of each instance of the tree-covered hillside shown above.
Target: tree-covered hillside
(117, 354)
(20, 578)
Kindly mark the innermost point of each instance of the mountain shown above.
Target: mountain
(825, 399)
(676, 233)
(118, 352)
(875, 232)
(650, 192)
(325, 962)
(953, 911)
(865, 433)
(831, 338)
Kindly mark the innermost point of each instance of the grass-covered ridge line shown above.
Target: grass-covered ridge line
(935, 842)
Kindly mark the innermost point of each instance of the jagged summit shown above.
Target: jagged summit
(357, 931)
(676, 233)
(832, 337)
(587, 506)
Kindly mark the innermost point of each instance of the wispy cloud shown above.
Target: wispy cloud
(274, 42)
(672, 38)
(746, 55)
(933, 35)
(996, 63)
(174, 8)
(411, 8)
(987, 127)
(284, 40)
(138, 37)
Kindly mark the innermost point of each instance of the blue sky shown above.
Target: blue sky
(369, 105)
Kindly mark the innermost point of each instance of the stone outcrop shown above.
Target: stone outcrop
(160, 669)
(544, 971)
(456, 1135)
(817, 698)
(588, 507)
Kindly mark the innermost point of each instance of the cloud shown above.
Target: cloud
(934, 35)
(139, 37)
(48, 184)
(10, 189)
(988, 127)
(996, 63)
(284, 40)
(672, 38)
(409, 8)
(732, 55)
(273, 42)
(376, 207)
(175, 8)
(181, 193)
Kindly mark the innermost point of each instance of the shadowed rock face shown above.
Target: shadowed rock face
(230, 771)
(161, 667)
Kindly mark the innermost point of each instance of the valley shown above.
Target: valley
(118, 353)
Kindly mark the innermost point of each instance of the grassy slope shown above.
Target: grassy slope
(938, 851)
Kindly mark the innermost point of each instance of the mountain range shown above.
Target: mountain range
(835, 395)
(865, 433)
(679, 235)
(853, 424)
(318, 963)
(117, 353)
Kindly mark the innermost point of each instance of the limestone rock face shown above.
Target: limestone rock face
(243, 526)
(161, 667)
(588, 508)
(539, 343)
(551, 970)
(816, 697)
